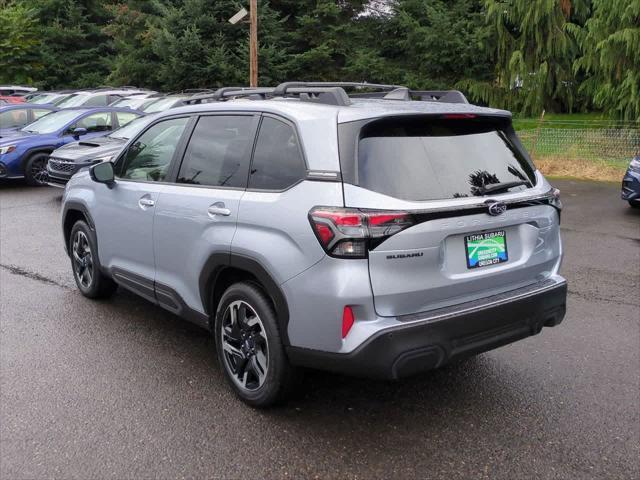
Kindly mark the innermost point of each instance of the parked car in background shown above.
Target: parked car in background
(8, 90)
(138, 102)
(65, 161)
(12, 99)
(18, 115)
(631, 183)
(174, 100)
(24, 153)
(51, 98)
(100, 97)
(165, 103)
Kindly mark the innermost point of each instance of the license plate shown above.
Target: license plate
(483, 249)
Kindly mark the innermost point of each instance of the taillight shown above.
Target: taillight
(351, 233)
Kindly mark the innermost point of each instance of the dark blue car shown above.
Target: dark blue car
(24, 152)
(17, 115)
(631, 183)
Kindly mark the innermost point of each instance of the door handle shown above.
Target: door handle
(146, 202)
(218, 209)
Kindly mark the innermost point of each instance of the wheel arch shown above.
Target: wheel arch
(74, 211)
(33, 151)
(222, 270)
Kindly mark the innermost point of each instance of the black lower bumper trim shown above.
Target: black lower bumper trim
(420, 346)
(57, 181)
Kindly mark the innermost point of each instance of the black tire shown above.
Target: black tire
(634, 203)
(83, 252)
(279, 377)
(35, 169)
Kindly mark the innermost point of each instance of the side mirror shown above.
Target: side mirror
(103, 173)
(78, 132)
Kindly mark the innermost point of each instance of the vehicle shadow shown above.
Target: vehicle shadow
(477, 382)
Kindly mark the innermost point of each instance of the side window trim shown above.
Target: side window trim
(301, 151)
(178, 164)
(119, 164)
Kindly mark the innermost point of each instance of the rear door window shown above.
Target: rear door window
(427, 159)
(277, 160)
(218, 152)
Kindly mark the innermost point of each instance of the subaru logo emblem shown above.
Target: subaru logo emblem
(497, 208)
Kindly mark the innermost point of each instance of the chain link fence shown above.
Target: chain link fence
(589, 149)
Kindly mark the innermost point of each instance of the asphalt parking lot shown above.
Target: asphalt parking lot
(122, 389)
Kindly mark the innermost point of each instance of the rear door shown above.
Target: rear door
(445, 172)
(196, 215)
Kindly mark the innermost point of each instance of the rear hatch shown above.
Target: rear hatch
(468, 216)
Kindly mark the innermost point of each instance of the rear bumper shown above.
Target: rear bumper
(447, 334)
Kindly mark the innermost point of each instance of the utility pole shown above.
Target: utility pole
(253, 43)
(253, 38)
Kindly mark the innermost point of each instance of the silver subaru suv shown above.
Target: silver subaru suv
(379, 233)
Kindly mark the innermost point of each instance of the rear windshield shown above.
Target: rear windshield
(428, 159)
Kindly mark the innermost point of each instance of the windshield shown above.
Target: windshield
(44, 98)
(74, 101)
(52, 122)
(430, 159)
(131, 129)
(161, 104)
(130, 102)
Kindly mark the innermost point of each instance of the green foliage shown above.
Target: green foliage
(610, 42)
(74, 49)
(533, 55)
(19, 43)
(524, 55)
(437, 43)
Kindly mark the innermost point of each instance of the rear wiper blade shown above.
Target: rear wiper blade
(498, 187)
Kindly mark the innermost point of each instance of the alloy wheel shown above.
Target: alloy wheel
(244, 345)
(82, 260)
(38, 171)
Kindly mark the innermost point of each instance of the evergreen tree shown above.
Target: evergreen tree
(19, 43)
(610, 42)
(74, 48)
(433, 44)
(533, 55)
(135, 63)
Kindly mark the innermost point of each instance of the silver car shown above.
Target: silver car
(379, 234)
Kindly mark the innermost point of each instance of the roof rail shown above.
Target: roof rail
(284, 88)
(234, 92)
(196, 90)
(403, 93)
(331, 93)
(226, 93)
(327, 95)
